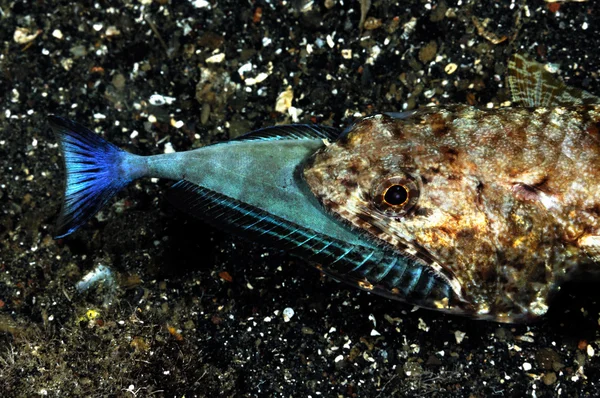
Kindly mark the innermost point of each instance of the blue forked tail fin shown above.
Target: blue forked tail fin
(96, 170)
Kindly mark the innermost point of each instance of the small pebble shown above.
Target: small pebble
(549, 378)
(215, 59)
(284, 100)
(427, 53)
(57, 34)
(451, 68)
(288, 313)
(459, 336)
(205, 113)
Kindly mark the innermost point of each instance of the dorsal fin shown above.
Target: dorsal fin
(291, 132)
(531, 85)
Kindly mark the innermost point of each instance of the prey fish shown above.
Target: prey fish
(476, 212)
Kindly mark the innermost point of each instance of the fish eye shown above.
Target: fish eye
(395, 196)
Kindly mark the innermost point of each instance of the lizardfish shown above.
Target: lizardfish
(478, 212)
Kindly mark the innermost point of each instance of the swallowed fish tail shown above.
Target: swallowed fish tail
(96, 171)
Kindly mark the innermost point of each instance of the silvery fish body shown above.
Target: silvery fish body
(482, 213)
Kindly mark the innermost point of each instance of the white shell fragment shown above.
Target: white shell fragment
(24, 35)
(215, 59)
(159, 99)
(284, 100)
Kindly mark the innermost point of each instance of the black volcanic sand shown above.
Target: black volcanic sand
(188, 310)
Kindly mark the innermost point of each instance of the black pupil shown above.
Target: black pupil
(396, 195)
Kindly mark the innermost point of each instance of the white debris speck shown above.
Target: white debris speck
(330, 42)
(67, 63)
(338, 358)
(247, 67)
(374, 53)
(347, 53)
(526, 366)
(24, 35)
(249, 286)
(284, 100)
(133, 134)
(112, 31)
(584, 26)
(266, 41)
(590, 350)
(287, 314)
(34, 142)
(422, 325)
(159, 100)
(177, 123)
(267, 319)
(57, 34)
(450, 68)
(459, 336)
(97, 27)
(215, 59)
(166, 372)
(527, 339)
(294, 113)
(43, 392)
(101, 274)
(258, 79)
(375, 333)
(14, 98)
(99, 116)
(409, 27)
(169, 148)
(552, 68)
(200, 3)
(429, 93)
(152, 118)
(51, 318)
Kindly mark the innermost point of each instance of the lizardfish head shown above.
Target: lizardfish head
(422, 199)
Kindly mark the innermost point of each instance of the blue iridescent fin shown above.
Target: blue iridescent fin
(390, 274)
(291, 132)
(94, 173)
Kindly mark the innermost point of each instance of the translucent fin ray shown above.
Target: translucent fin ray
(291, 132)
(531, 85)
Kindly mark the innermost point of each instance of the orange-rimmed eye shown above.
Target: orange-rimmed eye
(395, 196)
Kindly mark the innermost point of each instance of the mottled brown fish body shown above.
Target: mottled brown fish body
(504, 203)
